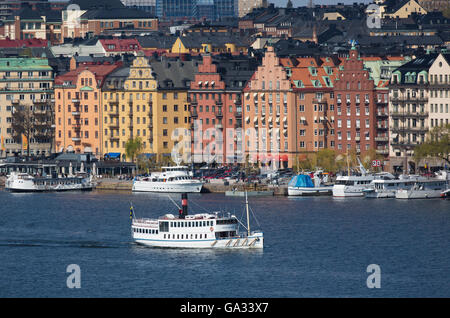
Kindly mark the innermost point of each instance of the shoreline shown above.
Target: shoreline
(108, 184)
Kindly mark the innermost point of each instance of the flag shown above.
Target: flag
(131, 212)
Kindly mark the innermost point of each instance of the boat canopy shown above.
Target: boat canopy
(301, 180)
(113, 155)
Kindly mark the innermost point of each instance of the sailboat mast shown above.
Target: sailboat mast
(248, 219)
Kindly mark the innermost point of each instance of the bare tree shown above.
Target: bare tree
(22, 124)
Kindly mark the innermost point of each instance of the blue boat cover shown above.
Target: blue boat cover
(302, 180)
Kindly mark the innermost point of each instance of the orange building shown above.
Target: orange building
(78, 111)
(312, 80)
(269, 121)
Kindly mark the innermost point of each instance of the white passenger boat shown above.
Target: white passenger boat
(24, 182)
(172, 179)
(204, 230)
(303, 185)
(354, 186)
(426, 189)
(386, 188)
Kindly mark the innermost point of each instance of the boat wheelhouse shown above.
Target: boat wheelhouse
(205, 230)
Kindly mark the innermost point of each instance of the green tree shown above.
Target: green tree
(133, 148)
(437, 145)
(326, 159)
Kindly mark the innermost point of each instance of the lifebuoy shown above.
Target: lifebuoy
(211, 228)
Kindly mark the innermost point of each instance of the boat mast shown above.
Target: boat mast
(248, 220)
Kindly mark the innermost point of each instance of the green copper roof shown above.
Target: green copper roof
(24, 64)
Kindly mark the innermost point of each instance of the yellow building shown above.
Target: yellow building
(128, 95)
(147, 100)
(208, 43)
(403, 9)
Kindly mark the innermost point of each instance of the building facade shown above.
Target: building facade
(78, 107)
(26, 84)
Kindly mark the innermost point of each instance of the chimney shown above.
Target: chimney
(73, 63)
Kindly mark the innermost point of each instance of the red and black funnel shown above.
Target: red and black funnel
(184, 206)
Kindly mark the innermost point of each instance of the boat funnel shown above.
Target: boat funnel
(184, 206)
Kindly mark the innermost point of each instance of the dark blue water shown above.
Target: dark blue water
(314, 247)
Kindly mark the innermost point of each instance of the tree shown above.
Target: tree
(436, 146)
(133, 148)
(22, 124)
(326, 159)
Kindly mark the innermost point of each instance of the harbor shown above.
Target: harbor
(313, 247)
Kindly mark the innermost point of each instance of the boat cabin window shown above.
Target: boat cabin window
(228, 221)
(164, 226)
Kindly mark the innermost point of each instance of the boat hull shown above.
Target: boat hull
(347, 191)
(149, 186)
(253, 241)
(416, 194)
(305, 191)
(29, 186)
(379, 194)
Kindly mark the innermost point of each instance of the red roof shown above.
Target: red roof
(100, 71)
(23, 43)
(120, 45)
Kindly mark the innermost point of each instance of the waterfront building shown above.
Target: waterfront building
(171, 112)
(128, 94)
(380, 70)
(216, 105)
(439, 91)
(268, 112)
(409, 110)
(312, 81)
(356, 123)
(26, 83)
(78, 107)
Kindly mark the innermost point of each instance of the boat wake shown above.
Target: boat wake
(54, 243)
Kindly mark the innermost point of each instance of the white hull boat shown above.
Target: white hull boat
(23, 182)
(426, 189)
(194, 231)
(303, 185)
(172, 180)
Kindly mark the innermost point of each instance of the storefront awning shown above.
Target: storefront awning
(113, 155)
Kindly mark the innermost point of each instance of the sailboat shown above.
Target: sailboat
(204, 230)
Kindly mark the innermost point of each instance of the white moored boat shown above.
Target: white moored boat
(23, 182)
(302, 185)
(426, 189)
(386, 188)
(172, 179)
(194, 231)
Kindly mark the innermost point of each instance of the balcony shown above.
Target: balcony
(219, 114)
(382, 151)
(416, 129)
(194, 114)
(238, 114)
(150, 125)
(219, 126)
(409, 114)
(382, 139)
(114, 101)
(77, 138)
(76, 112)
(357, 139)
(114, 125)
(319, 100)
(382, 113)
(75, 101)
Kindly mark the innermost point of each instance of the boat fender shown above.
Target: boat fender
(211, 228)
